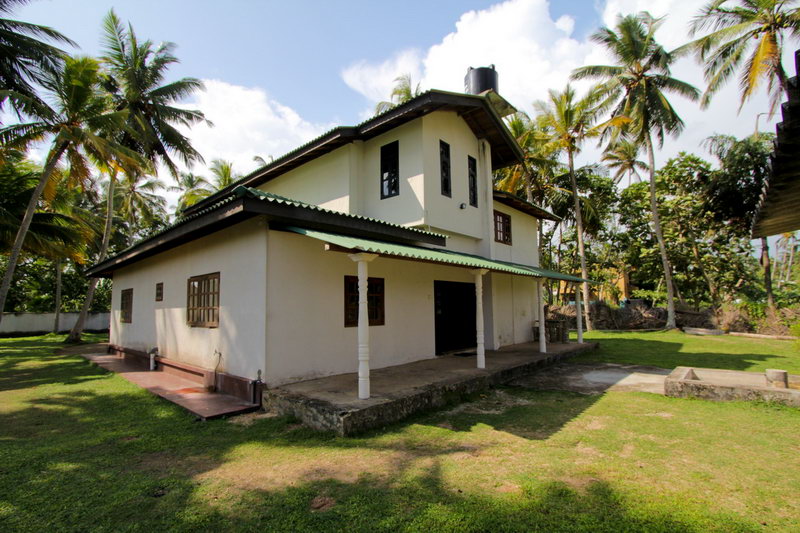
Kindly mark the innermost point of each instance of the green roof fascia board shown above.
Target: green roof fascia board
(428, 254)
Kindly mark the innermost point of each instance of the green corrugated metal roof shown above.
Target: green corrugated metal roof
(430, 254)
(258, 194)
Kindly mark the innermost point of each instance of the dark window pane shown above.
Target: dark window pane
(472, 169)
(390, 170)
(444, 162)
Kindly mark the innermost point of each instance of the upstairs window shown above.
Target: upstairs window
(202, 301)
(390, 170)
(502, 227)
(444, 163)
(472, 172)
(375, 301)
(159, 292)
(126, 306)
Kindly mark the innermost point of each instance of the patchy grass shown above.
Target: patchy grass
(668, 349)
(82, 449)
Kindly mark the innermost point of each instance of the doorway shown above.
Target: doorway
(454, 310)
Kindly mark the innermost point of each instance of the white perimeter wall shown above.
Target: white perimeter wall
(239, 254)
(38, 322)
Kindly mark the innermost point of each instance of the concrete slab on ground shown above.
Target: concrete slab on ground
(181, 391)
(331, 403)
(596, 378)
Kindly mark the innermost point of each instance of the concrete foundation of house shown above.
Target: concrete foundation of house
(331, 403)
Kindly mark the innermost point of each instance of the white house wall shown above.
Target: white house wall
(239, 254)
(524, 247)
(443, 212)
(324, 181)
(306, 336)
(407, 207)
(513, 305)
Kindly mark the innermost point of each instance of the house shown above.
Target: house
(777, 211)
(371, 246)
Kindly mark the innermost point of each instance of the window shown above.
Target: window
(202, 306)
(390, 170)
(375, 301)
(444, 162)
(126, 306)
(472, 170)
(159, 292)
(502, 227)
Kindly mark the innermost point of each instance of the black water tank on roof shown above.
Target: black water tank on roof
(480, 79)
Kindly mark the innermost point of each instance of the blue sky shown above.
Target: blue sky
(280, 73)
(293, 49)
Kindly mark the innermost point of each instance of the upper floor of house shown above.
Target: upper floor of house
(426, 164)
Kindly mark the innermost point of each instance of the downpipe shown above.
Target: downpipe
(153, 354)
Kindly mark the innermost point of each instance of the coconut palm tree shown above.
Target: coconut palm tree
(638, 85)
(746, 36)
(24, 59)
(135, 83)
(222, 174)
(571, 120)
(193, 188)
(403, 91)
(622, 158)
(139, 202)
(78, 125)
(137, 71)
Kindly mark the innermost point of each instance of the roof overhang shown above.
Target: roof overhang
(779, 208)
(350, 244)
(245, 203)
(525, 206)
(478, 111)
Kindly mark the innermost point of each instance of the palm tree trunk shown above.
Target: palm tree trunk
(767, 272)
(58, 297)
(712, 287)
(659, 234)
(581, 251)
(77, 329)
(19, 240)
(788, 273)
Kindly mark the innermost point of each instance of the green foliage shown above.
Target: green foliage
(656, 297)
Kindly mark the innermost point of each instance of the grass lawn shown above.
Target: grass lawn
(668, 349)
(84, 450)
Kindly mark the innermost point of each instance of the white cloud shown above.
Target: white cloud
(246, 123)
(531, 52)
(534, 53)
(375, 81)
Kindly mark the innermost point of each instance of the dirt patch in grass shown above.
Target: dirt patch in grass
(163, 464)
(322, 503)
(248, 419)
(275, 473)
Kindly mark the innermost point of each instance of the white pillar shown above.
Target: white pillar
(540, 302)
(578, 311)
(363, 324)
(479, 333)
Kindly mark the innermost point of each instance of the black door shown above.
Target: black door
(454, 305)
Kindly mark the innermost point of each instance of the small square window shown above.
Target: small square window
(159, 292)
(375, 301)
(126, 306)
(502, 227)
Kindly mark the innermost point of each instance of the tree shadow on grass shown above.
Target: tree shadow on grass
(125, 462)
(645, 349)
(108, 456)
